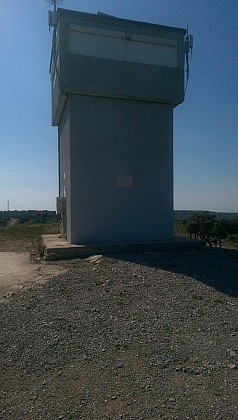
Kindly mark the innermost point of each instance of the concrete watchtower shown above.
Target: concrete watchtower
(115, 83)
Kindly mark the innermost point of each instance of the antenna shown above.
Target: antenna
(54, 3)
(52, 15)
(8, 205)
(188, 49)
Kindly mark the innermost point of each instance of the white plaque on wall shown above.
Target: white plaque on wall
(125, 181)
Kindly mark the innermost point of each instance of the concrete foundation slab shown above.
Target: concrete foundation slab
(58, 248)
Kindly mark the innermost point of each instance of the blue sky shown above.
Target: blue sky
(205, 125)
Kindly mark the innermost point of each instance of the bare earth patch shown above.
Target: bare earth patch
(17, 271)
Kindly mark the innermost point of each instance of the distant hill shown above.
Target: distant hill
(184, 214)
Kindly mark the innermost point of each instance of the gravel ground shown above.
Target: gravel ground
(131, 336)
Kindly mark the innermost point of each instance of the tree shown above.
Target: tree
(205, 227)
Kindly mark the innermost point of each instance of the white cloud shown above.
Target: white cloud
(6, 174)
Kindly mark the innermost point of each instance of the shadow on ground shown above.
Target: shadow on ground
(217, 268)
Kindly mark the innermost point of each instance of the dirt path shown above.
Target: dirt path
(18, 271)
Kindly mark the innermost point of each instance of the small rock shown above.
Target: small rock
(120, 365)
(94, 258)
(232, 366)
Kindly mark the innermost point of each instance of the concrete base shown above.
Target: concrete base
(58, 248)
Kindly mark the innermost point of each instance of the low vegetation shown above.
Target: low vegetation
(209, 228)
(22, 230)
(24, 233)
(25, 216)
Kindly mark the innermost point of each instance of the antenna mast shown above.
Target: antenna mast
(188, 49)
(54, 3)
(52, 15)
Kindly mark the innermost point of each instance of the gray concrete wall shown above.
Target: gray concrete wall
(119, 79)
(111, 138)
(64, 150)
(76, 73)
(115, 120)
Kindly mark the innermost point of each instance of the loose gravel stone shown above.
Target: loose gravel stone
(127, 336)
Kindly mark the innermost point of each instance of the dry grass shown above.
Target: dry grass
(26, 236)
